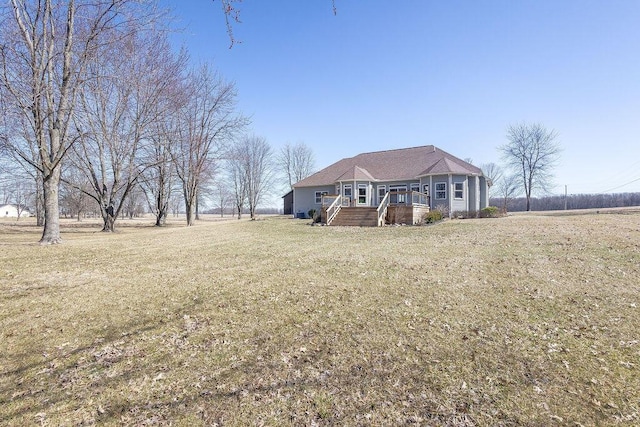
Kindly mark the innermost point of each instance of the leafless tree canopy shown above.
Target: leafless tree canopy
(494, 174)
(231, 12)
(44, 57)
(532, 152)
(119, 108)
(207, 123)
(296, 162)
(251, 170)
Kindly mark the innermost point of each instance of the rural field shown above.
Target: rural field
(525, 320)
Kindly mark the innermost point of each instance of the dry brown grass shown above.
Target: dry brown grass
(525, 320)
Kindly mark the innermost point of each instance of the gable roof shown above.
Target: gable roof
(391, 165)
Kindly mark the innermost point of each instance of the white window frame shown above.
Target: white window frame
(381, 195)
(319, 195)
(458, 187)
(425, 189)
(347, 188)
(366, 194)
(441, 190)
(414, 186)
(400, 198)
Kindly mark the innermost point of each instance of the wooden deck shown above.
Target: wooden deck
(368, 216)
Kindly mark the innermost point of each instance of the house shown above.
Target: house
(287, 201)
(393, 186)
(11, 211)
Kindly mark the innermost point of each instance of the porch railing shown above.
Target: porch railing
(418, 198)
(408, 198)
(334, 207)
(382, 209)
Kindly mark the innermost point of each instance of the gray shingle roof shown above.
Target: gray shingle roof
(391, 165)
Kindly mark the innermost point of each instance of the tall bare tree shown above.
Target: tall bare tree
(296, 162)
(46, 46)
(118, 115)
(207, 123)
(238, 182)
(532, 151)
(253, 157)
(158, 181)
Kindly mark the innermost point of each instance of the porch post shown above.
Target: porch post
(449, 197)
(430, 191)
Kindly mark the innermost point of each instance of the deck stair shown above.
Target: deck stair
(356, 217)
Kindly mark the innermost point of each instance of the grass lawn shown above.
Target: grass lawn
(524, 320)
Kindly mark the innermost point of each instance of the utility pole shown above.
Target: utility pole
(565, 197)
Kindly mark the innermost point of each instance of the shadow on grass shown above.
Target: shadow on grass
(23, 392)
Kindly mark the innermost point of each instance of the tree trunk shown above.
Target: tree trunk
(51, 233)
(109, 224)
(108, 219)
(162, 207)
(39, 201)
(197, 207)
(189, 210)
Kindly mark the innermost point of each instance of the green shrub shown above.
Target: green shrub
(490, 212)
(312, 213)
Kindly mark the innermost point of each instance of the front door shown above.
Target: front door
(363, 198)
(347, 193)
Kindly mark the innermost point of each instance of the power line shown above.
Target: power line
(620, 186)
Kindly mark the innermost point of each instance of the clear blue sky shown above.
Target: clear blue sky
(385, 74)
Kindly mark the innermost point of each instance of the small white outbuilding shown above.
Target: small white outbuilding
(11, 211)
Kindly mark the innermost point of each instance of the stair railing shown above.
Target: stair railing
(334, 208)
(382, 209)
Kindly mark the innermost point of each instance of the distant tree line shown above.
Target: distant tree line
(573, 201)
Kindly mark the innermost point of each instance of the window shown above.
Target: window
(382, 191)
(458, 190)
(398, 198)
(362, 194)
(319, 195)
(347, 191)
(441, 190)
(425, 189)
(415, 186)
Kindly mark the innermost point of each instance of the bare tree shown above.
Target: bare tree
(238, 182)
(74, 191)
(134, 203)
(157, 181)
(296, 162)
(222, 195)
(46, 46)
(253, 156)
(507, 188)
(207, 123)
(532, 152)
(118, 114)
(494, 173)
